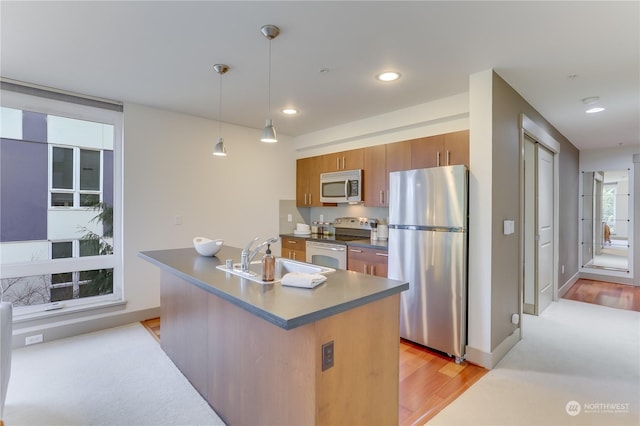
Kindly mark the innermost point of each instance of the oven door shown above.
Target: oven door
(330, 255)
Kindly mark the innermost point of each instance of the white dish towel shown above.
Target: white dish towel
(301, 279)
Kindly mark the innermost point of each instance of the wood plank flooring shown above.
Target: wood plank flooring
(604, 293)
(429, 381)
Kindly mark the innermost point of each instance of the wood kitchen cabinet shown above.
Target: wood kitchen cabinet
(344, 160)
(294, 248)
(440, 150)
(308, 181)
(456, 148)
(379, 161)
(371, 261)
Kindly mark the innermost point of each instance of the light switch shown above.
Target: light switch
(509, 227)
(289, 217)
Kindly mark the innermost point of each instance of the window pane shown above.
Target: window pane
(62, 293)
(61, 278)
(26, 291)
(96, 282)
(61, 250)
(59, 199)
(89, 170)
(62, 170)
(89, 200)
(89, 248)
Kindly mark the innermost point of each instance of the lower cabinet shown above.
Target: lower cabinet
(372, 261)
(294, 248)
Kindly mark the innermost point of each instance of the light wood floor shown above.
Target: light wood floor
(603, 293)
(429, 381)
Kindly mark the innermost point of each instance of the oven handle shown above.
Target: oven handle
(324, 247)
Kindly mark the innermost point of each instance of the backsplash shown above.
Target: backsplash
(310, 214)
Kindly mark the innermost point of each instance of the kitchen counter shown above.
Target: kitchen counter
(271, 354)
(286, 307)
(365, 242)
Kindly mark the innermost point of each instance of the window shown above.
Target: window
(59, 208)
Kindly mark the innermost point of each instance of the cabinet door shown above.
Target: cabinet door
(375, 176)
(344, 160)
(370, 261)
(427, 152)
(456, 148)
(398, 156)
(294, 248)
(302, 181)
(308, 181)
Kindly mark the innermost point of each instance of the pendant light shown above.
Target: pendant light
(269, 132)
(220, 150)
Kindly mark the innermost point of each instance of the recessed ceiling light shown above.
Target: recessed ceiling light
(290, 111)
(388, 76)
(591, 100)
(594, 109)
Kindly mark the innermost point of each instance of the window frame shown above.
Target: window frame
(80, 111)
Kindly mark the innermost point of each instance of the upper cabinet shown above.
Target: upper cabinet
(440, 150)
(456, 148)
(308, 181)
(379, 161)
(345, 160)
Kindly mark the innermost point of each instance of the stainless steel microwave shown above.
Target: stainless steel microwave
(341, 187)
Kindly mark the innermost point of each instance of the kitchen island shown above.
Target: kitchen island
(255, 352)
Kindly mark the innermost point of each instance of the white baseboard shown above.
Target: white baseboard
(62, 329)
(490, 360)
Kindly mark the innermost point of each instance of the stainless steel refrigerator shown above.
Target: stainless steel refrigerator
(428, 248)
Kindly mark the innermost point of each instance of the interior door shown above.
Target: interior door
(545, 249)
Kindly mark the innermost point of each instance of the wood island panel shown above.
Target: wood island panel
(253, 372)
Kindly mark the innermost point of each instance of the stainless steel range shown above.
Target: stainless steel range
(332, 251)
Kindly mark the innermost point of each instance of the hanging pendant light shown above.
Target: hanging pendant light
(220, 150)
(269, 132)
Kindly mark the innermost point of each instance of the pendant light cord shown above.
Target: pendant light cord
(220, 106)
(269, 74)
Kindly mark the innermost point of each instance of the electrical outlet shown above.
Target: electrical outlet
(289, 217)
(327, 355)
(32, 340)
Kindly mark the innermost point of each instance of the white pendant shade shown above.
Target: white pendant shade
(269, 133)
(220, 150)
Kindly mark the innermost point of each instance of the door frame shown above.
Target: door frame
(539, 135)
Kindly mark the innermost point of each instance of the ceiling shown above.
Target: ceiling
(162, 54)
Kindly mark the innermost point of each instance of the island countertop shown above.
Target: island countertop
(285, 307)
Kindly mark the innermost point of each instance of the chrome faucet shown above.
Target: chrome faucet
(247, 255)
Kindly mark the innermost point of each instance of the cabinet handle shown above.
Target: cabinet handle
(438, 159)
(373, 269)
(364, 267)
(382, 254)
(291, 242)
(310, 199)
(355, 251)
(337, 163)
(305, 198)
(448, 158)
(381, 197)
(343, 163)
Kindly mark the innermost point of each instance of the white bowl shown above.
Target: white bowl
(207, 247)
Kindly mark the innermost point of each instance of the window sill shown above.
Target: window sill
(68, 312)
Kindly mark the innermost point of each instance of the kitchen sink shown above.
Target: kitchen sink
(283, 267)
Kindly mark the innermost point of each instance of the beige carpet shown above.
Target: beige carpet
(577, 364)
(118, 376)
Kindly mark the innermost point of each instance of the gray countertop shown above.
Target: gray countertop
(365, 242)
(286, 307)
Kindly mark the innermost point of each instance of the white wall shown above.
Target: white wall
(169, 171)
(480, 217)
